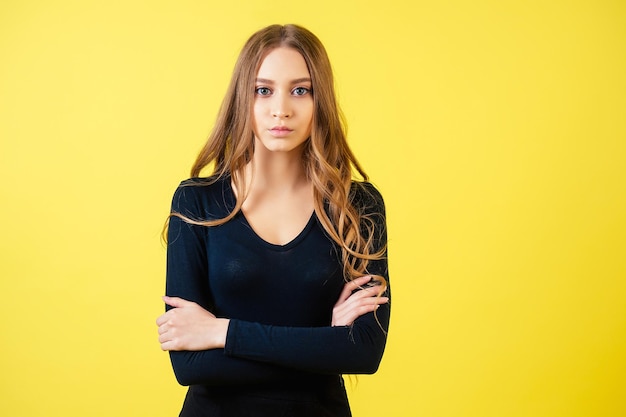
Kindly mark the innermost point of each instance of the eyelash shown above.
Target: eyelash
(258, 90)
(305, 90)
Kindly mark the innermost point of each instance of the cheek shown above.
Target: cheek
(309, 113)
(256, 109)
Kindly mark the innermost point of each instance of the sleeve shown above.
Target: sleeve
(356, 349)
(187, 278)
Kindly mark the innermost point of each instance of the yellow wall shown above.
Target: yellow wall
(495, 130)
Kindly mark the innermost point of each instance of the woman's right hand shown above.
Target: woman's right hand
(188, 326)
(357, 299)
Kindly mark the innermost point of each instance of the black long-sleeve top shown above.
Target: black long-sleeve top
(279, 298)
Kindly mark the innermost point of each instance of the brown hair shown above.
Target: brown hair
(328, 160)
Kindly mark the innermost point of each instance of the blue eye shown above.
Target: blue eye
(300, 91)
(263, 91)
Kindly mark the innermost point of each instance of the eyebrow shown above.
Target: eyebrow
(296, 81)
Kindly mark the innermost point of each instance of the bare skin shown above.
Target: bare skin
(280, 199)
(279, 202)
(190, 327)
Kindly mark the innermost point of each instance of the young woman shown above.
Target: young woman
(276, 262)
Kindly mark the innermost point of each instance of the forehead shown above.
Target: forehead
(283, 63)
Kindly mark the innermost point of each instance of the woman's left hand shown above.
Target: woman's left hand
(188, 326)
(356, 300)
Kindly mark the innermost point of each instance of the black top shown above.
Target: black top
(279, 299)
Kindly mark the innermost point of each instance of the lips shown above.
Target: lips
(280, 131)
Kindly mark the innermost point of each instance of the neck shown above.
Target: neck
(276, 170)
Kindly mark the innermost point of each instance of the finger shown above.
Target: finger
(351, 286)
(356, 304)
(361, 297)
(164, 318)
(161, 319)
(168, 345)
(369, 292)
(163, 329)
(344, 295)
(375, 287)
(346, 318)
(171, 345)
(169, 335)
(359, 282)
(361, 309)
(176, 301)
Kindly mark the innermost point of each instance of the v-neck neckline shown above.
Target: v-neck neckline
(275, 246)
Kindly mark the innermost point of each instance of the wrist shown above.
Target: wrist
(222, 332)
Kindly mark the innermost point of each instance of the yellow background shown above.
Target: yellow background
(496, 131)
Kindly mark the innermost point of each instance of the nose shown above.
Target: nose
(281, 107)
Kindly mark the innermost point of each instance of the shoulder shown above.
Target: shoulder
(202, 198)
(211, 181)
(366, 197)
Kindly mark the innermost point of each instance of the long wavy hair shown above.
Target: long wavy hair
(329, 162)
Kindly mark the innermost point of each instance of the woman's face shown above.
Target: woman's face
(283, 101)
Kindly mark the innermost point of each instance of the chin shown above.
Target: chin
(282, 146)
